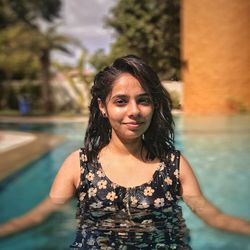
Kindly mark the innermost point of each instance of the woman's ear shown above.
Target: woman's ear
(102, 107)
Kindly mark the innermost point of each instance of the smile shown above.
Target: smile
(133, 124)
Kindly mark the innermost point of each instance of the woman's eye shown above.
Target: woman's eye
(146, 101)
(120, 102)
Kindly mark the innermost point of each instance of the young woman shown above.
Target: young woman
(130, 177)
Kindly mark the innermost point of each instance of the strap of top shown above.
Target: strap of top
(84, 171)
(173, 171)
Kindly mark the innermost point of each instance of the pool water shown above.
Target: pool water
(218, 148)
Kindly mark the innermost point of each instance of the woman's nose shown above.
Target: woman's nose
(133, 109)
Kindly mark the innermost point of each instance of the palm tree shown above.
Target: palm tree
(39, 45)
(44, 44)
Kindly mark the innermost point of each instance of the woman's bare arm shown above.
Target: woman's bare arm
(66, 180)
(63, 189)
(203, 208)
(30, 219)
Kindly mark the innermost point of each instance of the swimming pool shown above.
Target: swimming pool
(217, 147)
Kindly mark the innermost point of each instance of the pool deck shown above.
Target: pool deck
(19, 148)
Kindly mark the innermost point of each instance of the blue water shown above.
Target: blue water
(217, 147)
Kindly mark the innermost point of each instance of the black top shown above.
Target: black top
(147, 216)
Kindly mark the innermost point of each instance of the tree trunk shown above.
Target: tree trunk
(46, 88)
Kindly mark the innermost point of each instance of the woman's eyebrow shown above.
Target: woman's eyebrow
(119, 96)
(126, 96)
(143, 94)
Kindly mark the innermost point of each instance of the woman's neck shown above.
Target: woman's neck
(118, 146)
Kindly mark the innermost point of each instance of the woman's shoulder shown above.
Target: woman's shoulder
(71, 163)
(73, 156)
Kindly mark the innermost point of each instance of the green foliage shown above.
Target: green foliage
(151, 30)
(11, 99)
(20, 35)
(99, 60)
(16, 61)
(16, 91)
(25, 48)
(28, 12)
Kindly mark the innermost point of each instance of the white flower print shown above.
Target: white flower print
(84, 157)
(169, 196)
(148, 191)
(111, 196)
(123, 225)
(101, 242)
(172, 157)
(133, 200)
(143, 205)
(162, 166)
(81, 196)
(109, 209)
(159, 202)
(176, 173)
(100, 173)
(114, 185)
(90, 176)
(92, 192)
(77, 245)
(102, 184)
(168, 181)
(106, 248)
(146, 221)
(96, 204)
(82, 170)
(91, 242)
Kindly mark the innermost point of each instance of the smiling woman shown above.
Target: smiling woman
(131, 178)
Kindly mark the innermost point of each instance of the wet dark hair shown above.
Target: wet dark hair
(159, 137)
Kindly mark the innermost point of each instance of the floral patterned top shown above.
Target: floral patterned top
(148, 216)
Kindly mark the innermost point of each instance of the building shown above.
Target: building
(216, 56)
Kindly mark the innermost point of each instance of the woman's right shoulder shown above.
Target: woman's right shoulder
(71, 165)
(72, 158)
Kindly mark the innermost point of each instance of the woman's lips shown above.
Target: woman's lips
(133, 124)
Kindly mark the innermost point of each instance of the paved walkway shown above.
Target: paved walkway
(10, 140)
(19, 148)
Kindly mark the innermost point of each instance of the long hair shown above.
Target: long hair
(159, 137)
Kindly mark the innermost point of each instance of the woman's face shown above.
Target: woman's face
(128, 108)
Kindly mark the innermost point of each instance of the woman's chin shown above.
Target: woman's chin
(132, 136)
